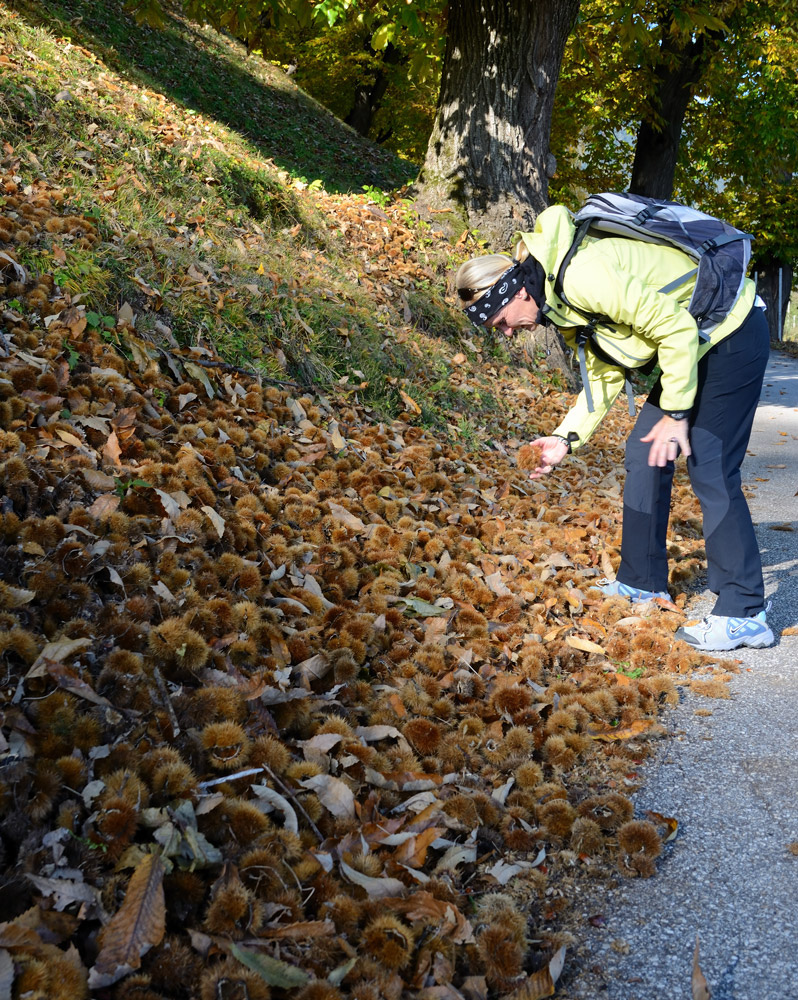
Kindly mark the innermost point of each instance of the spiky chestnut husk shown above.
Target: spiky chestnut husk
(173, 966)
(63, 979)
(234, 911)
(561, 721)
(271, 752)
(424, 735)
(558, 753)
(18, 642)
(557, 817)
(586, 836)
(231, 978)
(389, 941)
(178, 649)
(529, 774)
(519, 742)
(638, 845)
(511, 699)
(245, 822)
(344, 911)
(660, 687)
(501, 957)
(174, 780)
(226, 745)
(639, 837)
(125, 783)
(319, 989)
(609, 811)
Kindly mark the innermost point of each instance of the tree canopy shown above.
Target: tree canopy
(665, 98)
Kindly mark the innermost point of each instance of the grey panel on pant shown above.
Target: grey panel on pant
(642, 487)
(705, 466)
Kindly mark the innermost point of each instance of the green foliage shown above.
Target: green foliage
(742, 139)
(744, 104)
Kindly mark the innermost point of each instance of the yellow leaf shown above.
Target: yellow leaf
(70, 438)
(335, 795)
(346, 518)
(377, 888)
(409, 402)
(671, 824)
(413, 852)
(56, 652)
(15, 597)
(98, 480)
(111, 450)
(104, 505)
(584, 644)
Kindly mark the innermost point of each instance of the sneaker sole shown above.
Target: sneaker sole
(755, 642)
(634, 599)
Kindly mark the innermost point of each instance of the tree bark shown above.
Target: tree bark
(488, 161)
(658, 136)
(369, 95)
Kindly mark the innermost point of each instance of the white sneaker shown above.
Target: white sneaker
(718, 633)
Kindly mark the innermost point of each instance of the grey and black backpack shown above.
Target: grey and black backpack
(721, 254)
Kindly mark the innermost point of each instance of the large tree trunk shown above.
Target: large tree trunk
(658, 136)
(488, 161)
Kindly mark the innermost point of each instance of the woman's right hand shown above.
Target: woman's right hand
(550, 451)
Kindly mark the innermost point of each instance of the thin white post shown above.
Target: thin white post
(781, 306)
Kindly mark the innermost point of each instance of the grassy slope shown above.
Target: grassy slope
(197, 156)
(200, 573)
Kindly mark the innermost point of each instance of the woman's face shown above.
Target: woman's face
(520, 312)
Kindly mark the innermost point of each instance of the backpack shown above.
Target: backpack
(721, 254)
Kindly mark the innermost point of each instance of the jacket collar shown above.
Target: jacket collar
(549, 242)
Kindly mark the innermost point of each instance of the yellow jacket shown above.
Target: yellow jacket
(620, 279)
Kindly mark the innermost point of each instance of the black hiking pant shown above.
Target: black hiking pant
(730, 379)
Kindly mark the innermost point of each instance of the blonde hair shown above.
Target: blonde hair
(477, 275)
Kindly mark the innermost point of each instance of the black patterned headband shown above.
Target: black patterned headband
(520, 274)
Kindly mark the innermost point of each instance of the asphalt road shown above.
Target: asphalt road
(731, 780)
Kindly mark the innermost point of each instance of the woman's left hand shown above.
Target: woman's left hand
(667, 437)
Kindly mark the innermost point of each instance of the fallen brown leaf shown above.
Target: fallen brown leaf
(698, 981)
(610, 734)
(137, 926)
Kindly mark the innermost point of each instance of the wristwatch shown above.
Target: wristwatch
(569, 440)
(677, 414)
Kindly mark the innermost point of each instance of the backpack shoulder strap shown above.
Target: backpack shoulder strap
(579, 236)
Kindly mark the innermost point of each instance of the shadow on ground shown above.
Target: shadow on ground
(182, 62)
